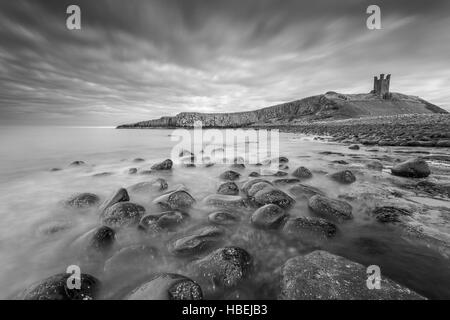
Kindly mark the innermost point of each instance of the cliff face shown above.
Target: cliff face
(331, 105)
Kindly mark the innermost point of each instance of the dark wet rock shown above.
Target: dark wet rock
(196, 243)
(77, 163)
(327, 153)
(285, 181)
(120, 195)
(322, 275)
(283, 159)
(434, 189)
(305, 191)
(279, 174)
(82, 200)
(137, 160)
(102, 174)
(103, 239)
(354, 147)
(225, 201)
(388, 214)
(230, 175)
(223, 218)
(255, 188)
(225, 267)
(122, 214)
(175, 200)
(145, 172)
(339, 162)
(55, 288)
(412, 168)
(302, 173)
(165, 165)
(228, 188)
(283, 166)
(158, 184)
(247, 185)
(169, 221)
(330, 208)
(254, 174)
(443, 143)
(345, 177)
(375, 165)
(269, 216)
(55, 169)
(133, 261)
(132, 171)
(271, 195)
(168, 286)
(309, 230)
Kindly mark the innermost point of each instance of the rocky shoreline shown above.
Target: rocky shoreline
(263, 205)
(412, 130)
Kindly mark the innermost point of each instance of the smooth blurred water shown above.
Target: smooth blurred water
(31, 196)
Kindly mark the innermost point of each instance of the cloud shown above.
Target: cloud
(136, 60)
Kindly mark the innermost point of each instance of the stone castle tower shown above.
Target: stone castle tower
(381, 86)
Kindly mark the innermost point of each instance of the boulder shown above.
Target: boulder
(375, 165)
(228, 188)
(223, 218)
(159, 184)
(269, 216)
(305, 191)
(137, 160)
(309, 230)
(169, 221)
(168, 286)
(254, 174)
(175, 200)
(247, 185)
(255, 188)
(225, 267)
(103, 239)
(412, 168)
(120, 195)
(443, 143)
(302, 173)
(77, 163)
(165, 165)
(230, 175)
(325, 276)
(387, 214)
(224, 201)
(285, 181)
(196, 243)
(271, 195)
(82, 201)
(331, 208)
(354, 147)
(122, 214)
(344, 177)
(102, 174)
(55, 288)
(132, 171)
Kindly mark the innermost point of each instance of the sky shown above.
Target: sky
(136, 60)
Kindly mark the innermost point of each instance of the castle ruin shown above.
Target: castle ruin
(381, 86)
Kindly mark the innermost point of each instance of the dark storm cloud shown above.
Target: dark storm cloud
(135, 60)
